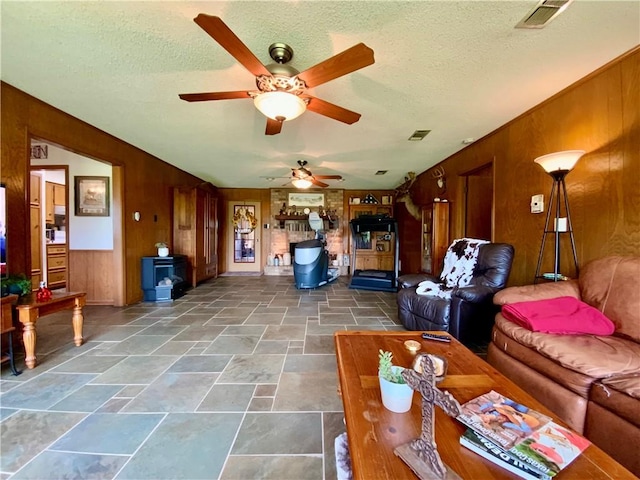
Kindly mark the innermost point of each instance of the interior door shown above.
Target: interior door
(243, 254)
(479, 203)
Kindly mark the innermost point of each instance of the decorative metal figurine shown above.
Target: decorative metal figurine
(421, 454)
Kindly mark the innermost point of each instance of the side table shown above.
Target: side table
(6, 326)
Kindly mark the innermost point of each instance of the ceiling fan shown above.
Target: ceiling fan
(302, 177)
(282, 90)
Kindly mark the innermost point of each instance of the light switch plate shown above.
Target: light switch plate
(537, 203)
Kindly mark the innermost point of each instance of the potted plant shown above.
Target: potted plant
(163, 249)
(17, 284)
(396, 394)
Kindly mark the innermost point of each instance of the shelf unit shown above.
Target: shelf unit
(375, 250)
(435, 236)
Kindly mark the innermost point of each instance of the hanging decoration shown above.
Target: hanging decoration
(244, 221)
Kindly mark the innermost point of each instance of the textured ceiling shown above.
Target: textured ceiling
(459, 69)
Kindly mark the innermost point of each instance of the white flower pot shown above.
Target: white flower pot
(163, 251)
(396, 397)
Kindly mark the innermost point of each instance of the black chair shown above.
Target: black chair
(468, 315)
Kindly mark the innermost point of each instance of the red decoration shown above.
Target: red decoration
(43, 294)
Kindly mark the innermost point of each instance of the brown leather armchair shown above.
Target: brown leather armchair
(469, 314)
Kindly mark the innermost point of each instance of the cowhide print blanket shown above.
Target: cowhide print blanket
(459, 264)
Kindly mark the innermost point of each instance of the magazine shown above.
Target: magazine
(550, 449)
(500, 419)
(486, 449)
(523, 433)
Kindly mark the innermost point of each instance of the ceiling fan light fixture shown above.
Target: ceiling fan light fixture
(280, 105)
(301, 183)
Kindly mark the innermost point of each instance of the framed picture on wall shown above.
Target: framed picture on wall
(92, 196)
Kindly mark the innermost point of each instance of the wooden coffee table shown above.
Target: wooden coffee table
(29, 310)
(374, 432)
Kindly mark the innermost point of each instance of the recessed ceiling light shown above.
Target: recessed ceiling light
(469, 140)
(418, 135)
(381, 172)
(270, 179)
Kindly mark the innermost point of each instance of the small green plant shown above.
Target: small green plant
(385, 370)
(17, 283)
(161, 245)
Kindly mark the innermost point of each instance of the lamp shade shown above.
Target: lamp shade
(559, 161)
(280, 105)
(301, 183)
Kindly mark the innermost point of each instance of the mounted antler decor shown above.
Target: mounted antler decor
(439, 174)
(403, 194)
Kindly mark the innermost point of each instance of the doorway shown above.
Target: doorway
(478, 219)
(91, 242)
(243, 237)
(48, 221)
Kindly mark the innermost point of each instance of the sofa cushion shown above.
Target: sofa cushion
(620, 395)
(594, 356)
(612, 285)
(573, 381)
(542, 291)
(565, 315)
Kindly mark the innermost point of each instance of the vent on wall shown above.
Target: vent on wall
(543, 13)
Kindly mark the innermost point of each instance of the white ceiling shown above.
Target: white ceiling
(458, 68)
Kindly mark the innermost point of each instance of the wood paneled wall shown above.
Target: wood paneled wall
(146, 181)
(599, 114)
(93, 274)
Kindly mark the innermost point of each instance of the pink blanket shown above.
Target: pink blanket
(566, 315)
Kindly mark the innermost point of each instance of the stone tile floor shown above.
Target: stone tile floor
(235, 380)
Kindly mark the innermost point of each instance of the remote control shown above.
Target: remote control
(437, 338)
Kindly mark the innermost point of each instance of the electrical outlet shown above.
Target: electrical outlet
(537, 203)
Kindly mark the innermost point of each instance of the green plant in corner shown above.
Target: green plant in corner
(161, 245)
(17, 283)
(385, 369)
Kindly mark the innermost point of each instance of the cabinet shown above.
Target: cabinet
(35, 223)
(34, 189)
(375, 250)
(56, 266)
(6, 326)
(195, 231)
(435, 236)
(55, 195)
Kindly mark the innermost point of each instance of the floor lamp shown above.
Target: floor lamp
(558, 165)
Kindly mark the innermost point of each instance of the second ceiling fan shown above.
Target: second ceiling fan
(282, 90)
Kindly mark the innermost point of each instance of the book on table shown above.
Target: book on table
(523, 433)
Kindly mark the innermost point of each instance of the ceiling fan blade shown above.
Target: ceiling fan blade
(332, 111)
(222, 34)
(273, 126)
(329, 177)
(203, 97)
(318, 183)
(352, 59)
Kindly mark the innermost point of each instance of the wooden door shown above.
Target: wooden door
(243, 254)
(479, 203)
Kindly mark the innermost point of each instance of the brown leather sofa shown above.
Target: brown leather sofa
(591, 382)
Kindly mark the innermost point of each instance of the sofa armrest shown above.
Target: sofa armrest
(413, 279)
(474, 293)
(542, 291)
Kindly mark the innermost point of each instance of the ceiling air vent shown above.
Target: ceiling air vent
(418, 135)
(381, 172)
(543, 13)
